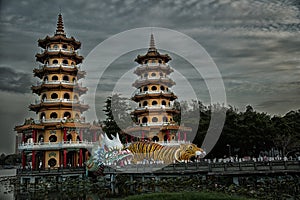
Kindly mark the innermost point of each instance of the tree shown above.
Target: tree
(117, 115)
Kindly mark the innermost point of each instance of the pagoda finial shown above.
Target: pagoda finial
(152, 43)
(60, 26)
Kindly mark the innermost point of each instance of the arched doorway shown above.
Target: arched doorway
(155, 139)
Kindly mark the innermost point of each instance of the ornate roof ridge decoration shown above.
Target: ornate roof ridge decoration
(60, 26)
(152, 53)
(59, 36)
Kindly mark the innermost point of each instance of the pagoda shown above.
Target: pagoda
(154, 116)
(59, 137)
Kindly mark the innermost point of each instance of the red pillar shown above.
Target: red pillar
(132, 138)
(126, 139)
(33, 159)
(23, 159)
(143, 135)
(34, 136)
(178, 135)
(23, 137)
(65, 134)
(65, 158)
(81, 134)
(168, 135)
(95, 136)
(185, 136)
(80, 157)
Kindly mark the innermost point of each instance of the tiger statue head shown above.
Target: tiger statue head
(187, 151)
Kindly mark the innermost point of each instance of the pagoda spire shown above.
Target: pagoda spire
(60, 26)
(152, 44)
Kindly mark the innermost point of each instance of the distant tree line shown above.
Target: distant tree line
(245, 133)
(11, 159)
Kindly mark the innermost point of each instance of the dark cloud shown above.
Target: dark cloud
(14, 81)
(254, 43)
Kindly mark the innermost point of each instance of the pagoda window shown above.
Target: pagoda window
(72, 63)
(171, 119)
(146, 61)
(153, 74)
(65, 62)
(53, 138)
(165, 119)
(155, 139)
(77, 116)
(53, 115)
(67, 96)
(55, 62)
(44, 97)
(139, 104)
(145, 89)
(146, 75)
(159, 61)
(54, 96)
(145, 120)
(162, 88)
(74, 80)
(65, 47)
(41, 138)
(154, 119)
(69, 137)
(154, 103)
(169, 104)
(54, 78)
(153, 88)
(145, 103)
(46, 78)
(67, 114)
(75, 97)
(42, 116)
(55, 46)
(78, 138)
(52, 162)
(163, 103)
(66, 78)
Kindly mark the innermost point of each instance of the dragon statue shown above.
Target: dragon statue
(111, 152)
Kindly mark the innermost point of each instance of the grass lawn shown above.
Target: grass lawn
(184, 196)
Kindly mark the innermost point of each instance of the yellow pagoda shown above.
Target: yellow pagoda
(59, 137)
(154, 115)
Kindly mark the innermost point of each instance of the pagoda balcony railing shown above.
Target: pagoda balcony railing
(154, 78)
(154, 124)
(57, 82)
(58, 101)
(154, 107)
(58, 49)
(57, 120)
(55, 145)
(137, 92)
(59, 65)
(154, 65)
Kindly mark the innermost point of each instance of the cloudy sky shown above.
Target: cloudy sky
(254, 43)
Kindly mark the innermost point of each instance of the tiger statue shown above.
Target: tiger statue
(167, 154)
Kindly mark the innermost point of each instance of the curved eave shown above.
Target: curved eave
(58, 105)
(73, 125)
(54, 70)
(141, 70)
(158, 127)
(167, 82)
(21, 128)
(46, 87)
(152, 55)
(170, 96)
(59, 38)
(41, 57)
(158, 110)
